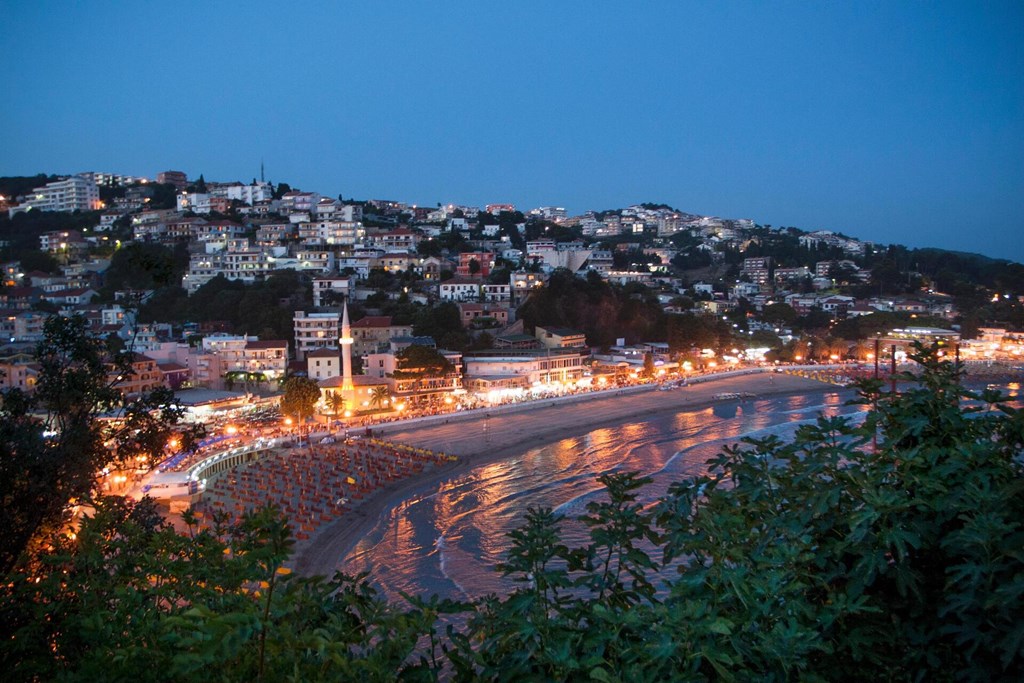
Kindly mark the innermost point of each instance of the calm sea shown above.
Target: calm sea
(447, 540)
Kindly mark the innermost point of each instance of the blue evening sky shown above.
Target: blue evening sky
(888, 121)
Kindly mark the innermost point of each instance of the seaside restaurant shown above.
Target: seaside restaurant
(899, 341)
(215, 407)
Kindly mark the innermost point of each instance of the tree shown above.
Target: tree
(300, 397)
(379, 397)
(53, 447)
(199, 186)
(779, 314)
(814, 319)
(648, 370)
(335, 402)
(131, 598)
(435, 321)
(417, 362)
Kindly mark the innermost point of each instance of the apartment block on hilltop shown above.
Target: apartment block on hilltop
(74, 193)
(176, 178)
(757, 269)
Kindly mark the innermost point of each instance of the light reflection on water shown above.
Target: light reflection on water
(449, 540)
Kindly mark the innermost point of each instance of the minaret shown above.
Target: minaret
(346, 352)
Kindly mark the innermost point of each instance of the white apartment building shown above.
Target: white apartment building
(114, 179)
(601, 262)
(71, 194)
(58, 242)
(250, 194)
(330, 209)
(395, 262)
(459, 289)
(359, 260)
(331, 232)
(274, 233)
(400, 239)
(222, 354)
(315, 331)
(323, 364)
(300, 202)
(497, 293)
(237, 262)
(23, 326)
(373, 331)
(329, 283)
(312, 260)
(522, 369)
(550, 213)
(383, 365)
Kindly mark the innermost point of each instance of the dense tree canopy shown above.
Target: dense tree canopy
(53, 445)
(140, 265)
(300, 397)
(601, 311)
(417, 361)
(262, 308)
(443, 323)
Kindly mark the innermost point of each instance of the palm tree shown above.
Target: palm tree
(379, 396)
(335, 402)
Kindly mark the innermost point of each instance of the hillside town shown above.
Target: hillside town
(483, 263)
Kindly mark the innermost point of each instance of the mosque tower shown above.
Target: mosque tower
(347, 388)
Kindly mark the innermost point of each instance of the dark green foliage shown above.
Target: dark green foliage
(142, 266)
(263, 308)
(601, 311)
(17, 186)
(779, 314)
(133, 600)
(22, 230)
(418, 361)
(687, 332)
(443, 323)
(52, 446)
(300, 397)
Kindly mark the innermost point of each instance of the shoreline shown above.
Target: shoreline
(505, 431)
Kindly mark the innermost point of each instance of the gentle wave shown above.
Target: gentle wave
(449, 541)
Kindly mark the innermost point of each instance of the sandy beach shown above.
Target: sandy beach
(479, 438)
